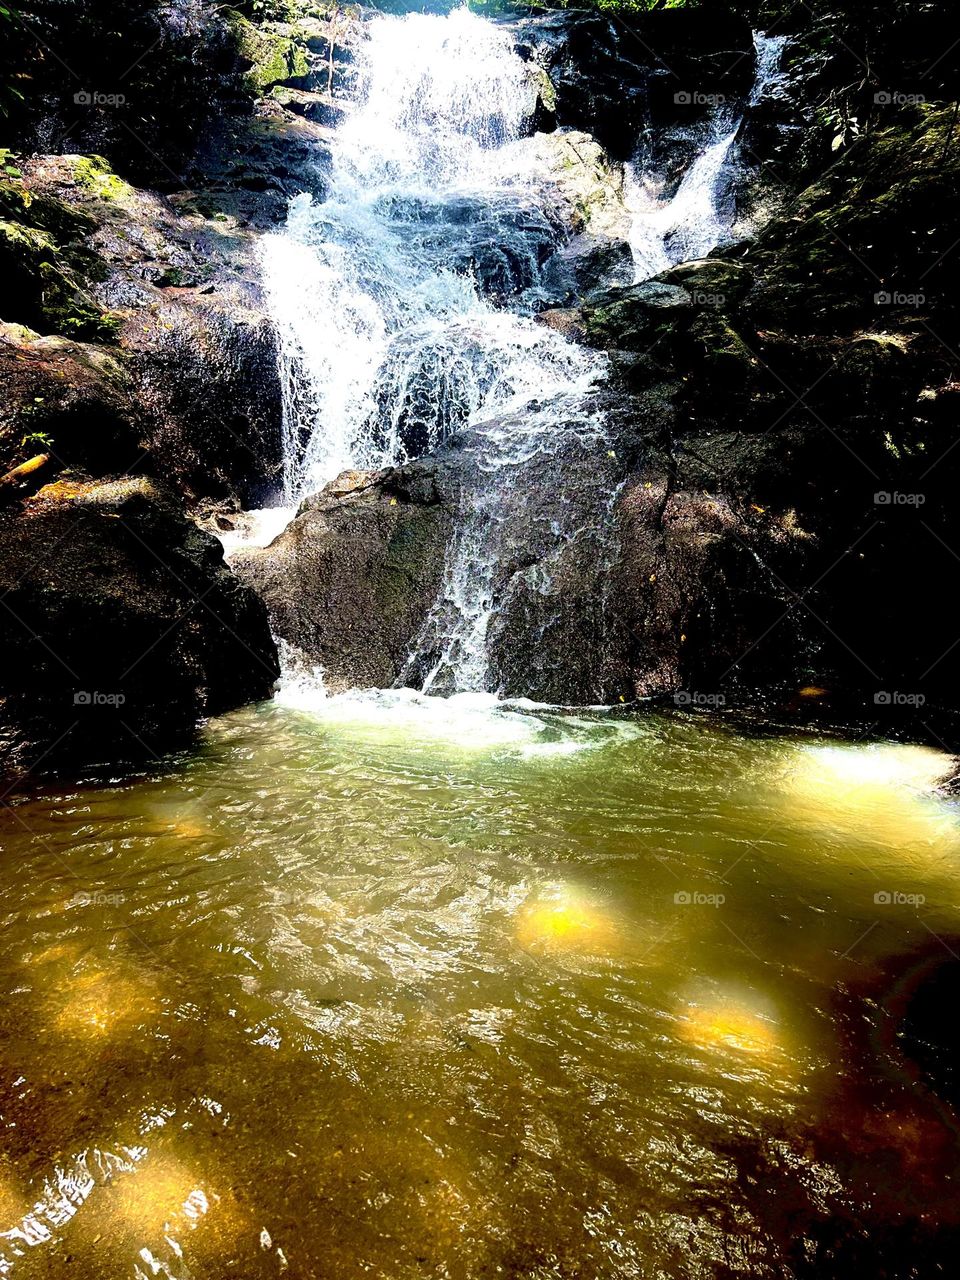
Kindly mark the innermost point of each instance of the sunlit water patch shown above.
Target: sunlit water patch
(387, 978)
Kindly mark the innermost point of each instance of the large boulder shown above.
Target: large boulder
(73, 400)
(351, 581)
(120, 625)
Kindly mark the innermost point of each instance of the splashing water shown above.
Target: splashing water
(669, 231)
(389, 337)
(404, 309)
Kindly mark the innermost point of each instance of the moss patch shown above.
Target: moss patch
(273, 53)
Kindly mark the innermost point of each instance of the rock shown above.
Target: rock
(638, 317)
(588, 264)
(587, 184)
(195, 368)
(121, 626)
(73, 398)
(271, 53)
(616, 78)
(351, 581)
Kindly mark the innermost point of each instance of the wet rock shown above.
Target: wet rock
(586, 183)
(638, 317)
(121, 625)
(72, 399)
(351, 581)
(615, 78)
(194, 339)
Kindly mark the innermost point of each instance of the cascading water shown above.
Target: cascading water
(385, 295)
(693, 222)
(404, 302)
(404, 305)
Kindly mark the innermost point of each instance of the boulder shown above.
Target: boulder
(351, 580)
(120, 625)
(192, 352)
(72, 399)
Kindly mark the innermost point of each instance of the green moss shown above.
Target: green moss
(274, 55)
(94, 175)
(30, 242)
(45, 270)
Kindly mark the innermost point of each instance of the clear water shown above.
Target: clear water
(392, 986)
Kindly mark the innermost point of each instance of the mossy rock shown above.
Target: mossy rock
(45, 267)
(273, 53)
(637, 318)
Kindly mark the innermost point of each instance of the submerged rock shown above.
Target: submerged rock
(121, 626)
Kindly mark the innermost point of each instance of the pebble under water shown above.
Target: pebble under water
(393, 986)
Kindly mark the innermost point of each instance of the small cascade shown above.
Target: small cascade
(402, 302)
(405, 306)
(697, 218)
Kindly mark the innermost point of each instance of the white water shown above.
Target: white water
(404, 307)
(387, 340)
(694, 221)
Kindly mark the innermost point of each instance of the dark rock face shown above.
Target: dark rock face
(798, 522)
(73, 400)
(350, 582)
(121, 626)
(194, 360)
(615, 78)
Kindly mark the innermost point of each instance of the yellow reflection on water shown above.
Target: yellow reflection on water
(101, 1001)
(731, 1027)
(718, 1019)
(563, 919)
(881, 791)
(154, 1194)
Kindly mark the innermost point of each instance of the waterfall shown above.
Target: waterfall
(693, 222)
(389, 296)
(405, 302)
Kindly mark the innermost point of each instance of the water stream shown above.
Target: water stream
(405, 308)
(399, 986)
(698, 217)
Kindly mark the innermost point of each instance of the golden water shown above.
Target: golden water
(380, 993)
